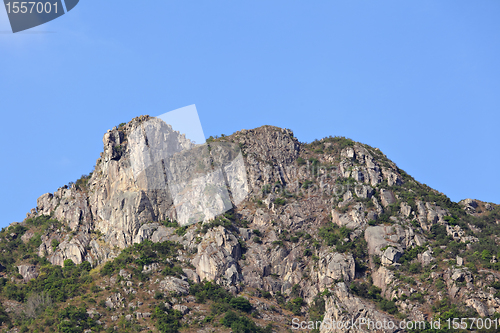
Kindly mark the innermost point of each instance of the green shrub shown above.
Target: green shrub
(73, 319)
(69, 263)
(170, 224)
(266, 189)
(295, 305)
(82, 182)
(107, 269)
(411, 254)
(279, 201)
(388, 306)
(167, 320)
(181, 231)
(278, 243)
(240, 303)
(307, 184)
(240, 324)
(266, 294)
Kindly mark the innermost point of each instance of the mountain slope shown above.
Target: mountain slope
(328, 230)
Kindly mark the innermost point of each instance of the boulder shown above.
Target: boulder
(405, 209)
(383, 279)
(391, 256)
(27, 236)
(115, 301)
(28, 272)
(364, 191)
(181, 308)
(191, 275)
(469, 206)
(173, 284)
(458, 275)
(124, 274)
(353, 219)
(387, 197)
(380, 236)
(425, 258)
(335, 266)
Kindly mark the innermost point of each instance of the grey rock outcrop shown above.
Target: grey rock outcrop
(391, 256)
(353, 219)
(378, 237)
(28, 272)
(217, 257)
(387, 197)
(173, 284)
(335, 266)
(384, 278)
(425, 258)
(469, 206)
(115, 301)
(181, 308)
(342, 306)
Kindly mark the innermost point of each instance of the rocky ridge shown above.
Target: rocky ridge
(334, 222)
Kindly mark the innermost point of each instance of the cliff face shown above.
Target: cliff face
(326, 220)
(117, 198)
(134, 178)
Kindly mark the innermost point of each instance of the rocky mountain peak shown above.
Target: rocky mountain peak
(331, 227)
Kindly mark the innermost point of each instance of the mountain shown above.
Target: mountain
(251, 232)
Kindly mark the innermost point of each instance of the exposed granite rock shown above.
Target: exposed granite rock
(405, 209)
(364, 191)
(28, 272)
(354, 219)
(469, 206)
(383, 278)
(387, 197)
(182, 308)
(173, 284)
(378, 237)
(335, 266)
(217, 257)
(27, 236)
(342, 306)
(425, 258)
(191, 275)
(115, 301)
(391, 256)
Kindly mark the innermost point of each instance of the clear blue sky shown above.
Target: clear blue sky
(418, 79)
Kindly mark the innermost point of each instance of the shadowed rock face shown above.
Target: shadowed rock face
(279, 248)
